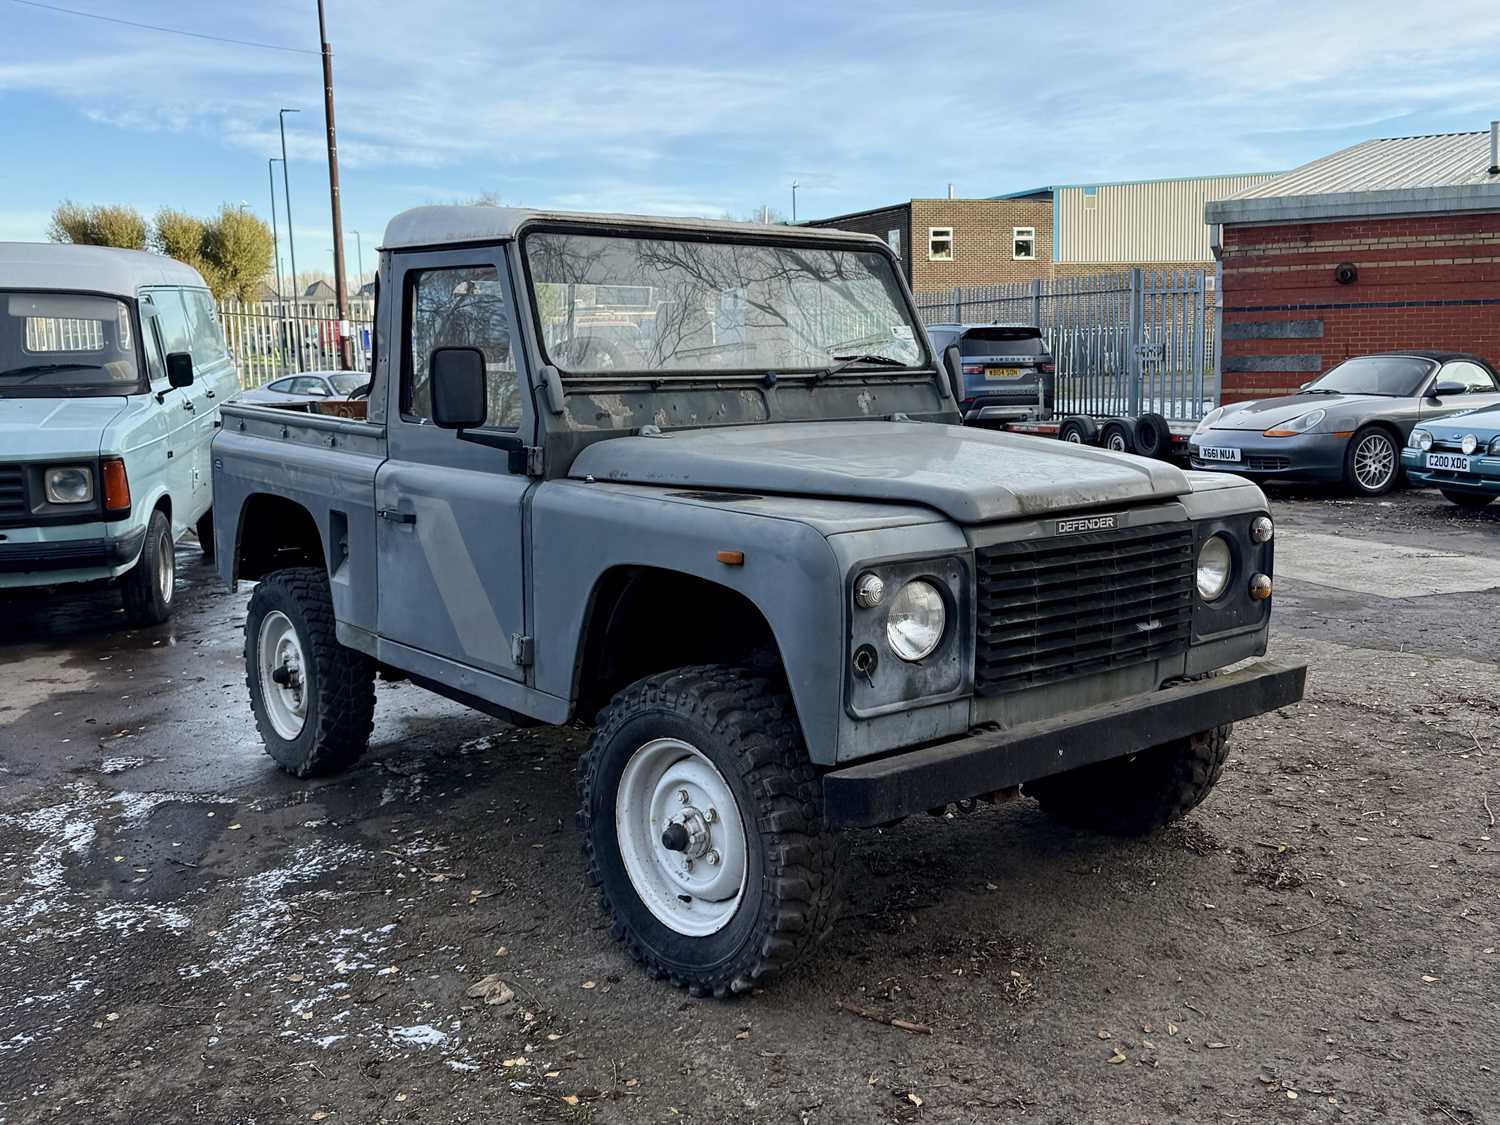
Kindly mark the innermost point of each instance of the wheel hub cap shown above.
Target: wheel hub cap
(1374, 461)
(282, 666)
(681, 837)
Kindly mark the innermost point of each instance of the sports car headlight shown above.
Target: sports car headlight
(1210, 418)
(1299, 425)
(71, 485)
(915, 621)
(1215, 562)
(1420, 439)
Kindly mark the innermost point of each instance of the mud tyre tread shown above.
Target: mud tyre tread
(752, 735)
(342, 684)
(1138, 794)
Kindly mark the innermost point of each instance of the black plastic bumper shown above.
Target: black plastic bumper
(72, 554)
(912, 781)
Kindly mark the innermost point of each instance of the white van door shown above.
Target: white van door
(169, 332)
(214, 382)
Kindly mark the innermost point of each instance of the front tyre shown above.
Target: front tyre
(205, 531)
(1372, 462)
(702, 828)
(313, 699)
(147, 589)
(1137, 794)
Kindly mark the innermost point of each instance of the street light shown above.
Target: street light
(275, 237)
(359, 250)
(794, 203)
(286, 178)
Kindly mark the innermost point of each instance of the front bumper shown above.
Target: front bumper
(44, 563)
(911, 781)
(1313, 457)
(1482, 479)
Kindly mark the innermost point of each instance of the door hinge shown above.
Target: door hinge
(522, 650)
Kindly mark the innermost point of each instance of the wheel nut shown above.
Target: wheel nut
(709, 816)
(682, 796)
(713, 859)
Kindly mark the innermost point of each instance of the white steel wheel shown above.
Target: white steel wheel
(681, 837)
(283, 674)
(1374, 459)
(166, 565)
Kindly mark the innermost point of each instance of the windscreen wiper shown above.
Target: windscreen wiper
(844, 362)
(37, 369)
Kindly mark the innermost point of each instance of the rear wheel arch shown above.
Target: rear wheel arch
(642, 620)
(274, 533)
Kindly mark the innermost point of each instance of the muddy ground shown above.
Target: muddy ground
(187, 935)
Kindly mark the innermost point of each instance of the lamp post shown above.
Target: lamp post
(794, 202)
(359, 251)
(286, 179)
(275, 237)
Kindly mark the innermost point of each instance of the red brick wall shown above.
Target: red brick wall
(1424, 282)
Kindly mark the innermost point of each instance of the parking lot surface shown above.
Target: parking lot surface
(190, 935)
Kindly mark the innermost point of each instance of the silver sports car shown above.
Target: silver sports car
(1349, 424)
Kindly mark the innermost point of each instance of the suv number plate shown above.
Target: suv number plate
(1002, 372)
(1448, 461)
(1218, 453)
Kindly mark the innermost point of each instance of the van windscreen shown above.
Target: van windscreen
(61, 345)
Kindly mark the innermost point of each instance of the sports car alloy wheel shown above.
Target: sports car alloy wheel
(1374, 462)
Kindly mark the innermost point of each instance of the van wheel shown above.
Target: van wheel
(205, 531)
(313, 699)
(1136, 795)
(147, 589)
(702, 827)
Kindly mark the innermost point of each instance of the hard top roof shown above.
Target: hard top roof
(94, 269)
(452, 224)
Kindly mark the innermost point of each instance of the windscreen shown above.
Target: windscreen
(1401, 376)
(617, 304)
(348, 383)
(1002, 342)
(64, 344)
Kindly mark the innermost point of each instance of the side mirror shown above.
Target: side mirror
(180, 369)
(1449, 387)
(456, 378)
(1305, 385)
(953, 360)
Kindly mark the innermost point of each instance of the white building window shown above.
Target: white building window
(940, 244)
(893, 240)
(1023, 243)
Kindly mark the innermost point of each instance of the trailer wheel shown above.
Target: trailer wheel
(1153, 437)
(702, 827)
(1116, 435)
(1078, 430)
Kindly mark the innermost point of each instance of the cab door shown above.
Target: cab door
(451, 564)
(214, 382)
(173, 459)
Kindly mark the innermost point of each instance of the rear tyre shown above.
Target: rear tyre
(1136, 795)
(1077, 431)
(313, 699)
(701, 823)
(1117, 436)
(1471, 500)
(205, 531)
(1153, 437)
(1372, 462)
(147, 589)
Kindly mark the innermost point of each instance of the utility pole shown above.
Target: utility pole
(340, 285)
(286, 179)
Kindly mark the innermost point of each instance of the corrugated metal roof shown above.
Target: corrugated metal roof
(1438, 160)
(1387, 176)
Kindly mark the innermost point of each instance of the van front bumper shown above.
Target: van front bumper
(983, 762)
(69, 560)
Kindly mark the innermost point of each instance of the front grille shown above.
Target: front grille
(12, 492)
(1068, 606)
(1268, 464)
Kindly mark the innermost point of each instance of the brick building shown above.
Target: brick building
(1389, 244)
(946, 243)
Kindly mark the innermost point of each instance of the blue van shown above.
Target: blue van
(112, 371)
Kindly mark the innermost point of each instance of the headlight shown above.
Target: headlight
(1299, 425)
(1420, 439)
(1469, 445)
(915, 622)
(1214, 564)
(1210, 418)
(72, 485)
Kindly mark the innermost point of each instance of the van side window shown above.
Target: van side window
(172, 321)
(462, 306)
(207, 342)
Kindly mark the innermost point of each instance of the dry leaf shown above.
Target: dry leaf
(590, 984)
(514, 1062)
(1171, 1029)
(1118, 1057)
(1430, 980)
(914, 1099)
(742, 1035)
(1217, 1046)
(1105, 1035)
(491, 989)
(318, 1115)
(570, 1099)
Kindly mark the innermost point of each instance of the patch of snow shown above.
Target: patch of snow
(421, 1035)
(120, 765)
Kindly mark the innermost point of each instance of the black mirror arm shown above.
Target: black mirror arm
(510, 443)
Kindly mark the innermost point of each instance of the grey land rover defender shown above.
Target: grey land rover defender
(702, 485)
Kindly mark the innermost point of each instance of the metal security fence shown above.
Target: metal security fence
(1124, 343)
(269, 339)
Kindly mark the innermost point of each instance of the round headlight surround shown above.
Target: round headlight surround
(1469, 445)
(68, 484)
(1421, 439)
(916, 621)
(1212, 574)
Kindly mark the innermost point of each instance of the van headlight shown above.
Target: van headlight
(1215, 562)
(72, 484)
(916, 620)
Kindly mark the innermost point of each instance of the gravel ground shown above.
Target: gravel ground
(191, 936)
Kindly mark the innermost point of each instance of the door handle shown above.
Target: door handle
(394, 516)
(208, 394)
(187, 404)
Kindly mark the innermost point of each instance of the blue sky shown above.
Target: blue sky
(708, 108)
